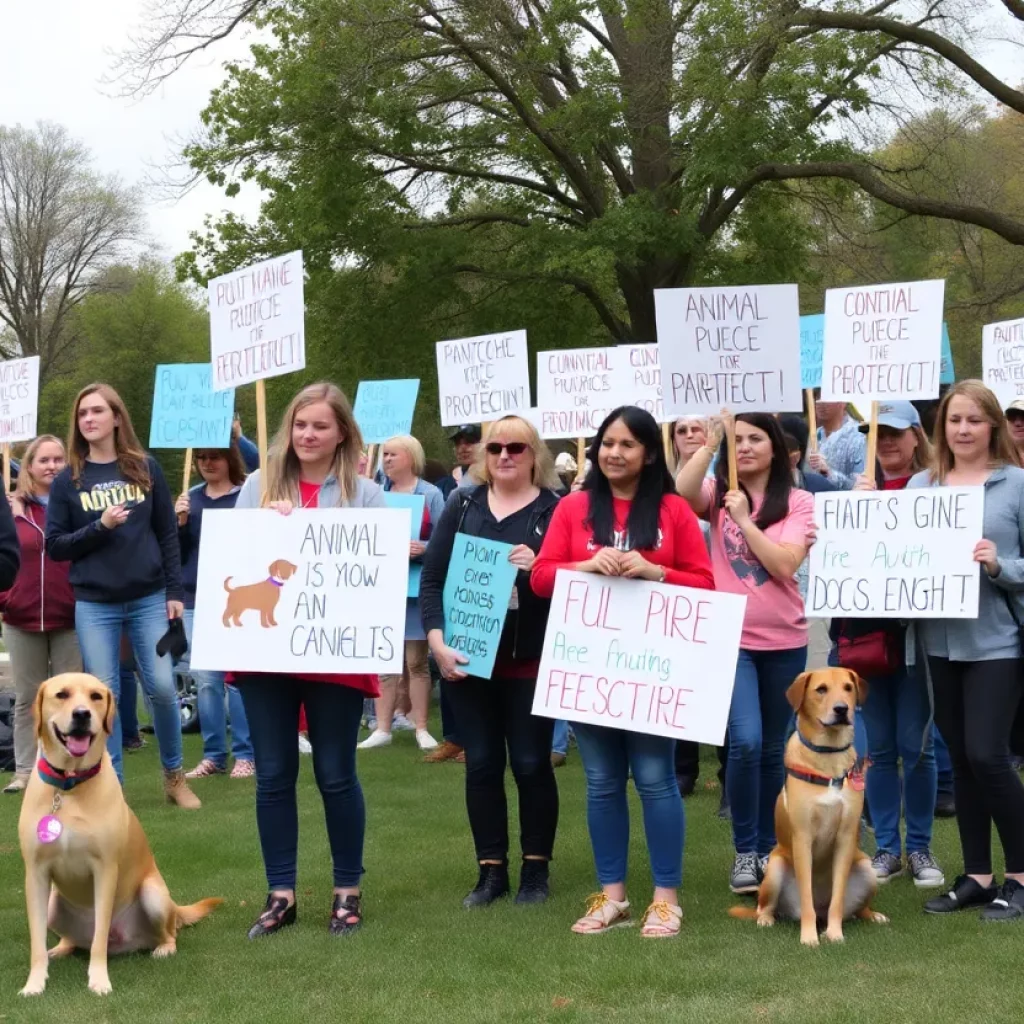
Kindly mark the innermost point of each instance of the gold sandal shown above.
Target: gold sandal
(662, 920)
(603, 914)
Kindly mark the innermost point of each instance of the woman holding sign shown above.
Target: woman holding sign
(628, 521)
(760, 534)
(976, 664)
(313, 463)
(496, 722)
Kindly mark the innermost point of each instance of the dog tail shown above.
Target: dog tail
(226, 582)
(743, 913)
(197, 911)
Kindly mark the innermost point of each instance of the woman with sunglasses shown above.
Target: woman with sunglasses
(223, 473)
(513, 505)
(628, 522)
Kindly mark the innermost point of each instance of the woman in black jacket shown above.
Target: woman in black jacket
(512, 505)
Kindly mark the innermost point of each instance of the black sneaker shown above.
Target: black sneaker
(945, 806)
(745, 876)
(886, 865)
(533, 882)
(1008, 904)
(965, 894)
(490, 886)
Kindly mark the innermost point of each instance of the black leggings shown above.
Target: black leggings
(975, 706)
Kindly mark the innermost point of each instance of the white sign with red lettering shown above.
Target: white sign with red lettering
(647, 657)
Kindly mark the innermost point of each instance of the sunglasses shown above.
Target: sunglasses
(513, 447)
(209, 456)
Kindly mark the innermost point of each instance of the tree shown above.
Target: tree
(61, 226)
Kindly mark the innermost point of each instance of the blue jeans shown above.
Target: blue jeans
(758, 719)
(608, 756)
(99, 635)
(560, 743)
(128, 700)
(213, 722)
(896, 714)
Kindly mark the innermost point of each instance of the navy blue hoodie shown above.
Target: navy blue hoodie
(188, 535)
(136, 559)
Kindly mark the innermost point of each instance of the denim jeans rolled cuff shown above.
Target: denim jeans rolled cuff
(608, 756)
(560, 739)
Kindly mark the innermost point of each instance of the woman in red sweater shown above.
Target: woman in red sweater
(628, 521)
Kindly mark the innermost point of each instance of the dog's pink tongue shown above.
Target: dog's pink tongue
(78, 746)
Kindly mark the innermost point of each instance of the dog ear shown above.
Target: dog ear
(274, 568)
(861, 686)
(797, 689)
(108, 713)
(37, 710)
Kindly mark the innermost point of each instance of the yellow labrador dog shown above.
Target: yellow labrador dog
(89, 872)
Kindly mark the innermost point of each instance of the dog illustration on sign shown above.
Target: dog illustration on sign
(259, 597)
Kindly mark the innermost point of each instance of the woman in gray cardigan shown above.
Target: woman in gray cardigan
(976, 664)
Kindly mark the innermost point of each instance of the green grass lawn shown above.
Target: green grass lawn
(421, 957)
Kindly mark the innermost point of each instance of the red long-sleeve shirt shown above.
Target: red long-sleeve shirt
(681, 547)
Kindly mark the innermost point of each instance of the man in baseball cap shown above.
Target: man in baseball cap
(1015, 417)
(466, 440)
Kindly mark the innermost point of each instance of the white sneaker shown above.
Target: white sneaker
(305, 747)
(424, 740)
(401, 724)
(377, 738)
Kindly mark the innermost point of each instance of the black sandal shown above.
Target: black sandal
(277, 914)
(346, 914)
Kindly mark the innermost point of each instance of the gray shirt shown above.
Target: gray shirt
(368, 494)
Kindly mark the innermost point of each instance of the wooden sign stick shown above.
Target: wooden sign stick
(581, 457)
(666, 440)
(371, 459)
(261, 434)
(186, 479)
(872, 449)
(730, 438)
(812, 420)
(7, 468)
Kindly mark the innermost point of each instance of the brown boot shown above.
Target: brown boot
(446, 751)
(177, 791)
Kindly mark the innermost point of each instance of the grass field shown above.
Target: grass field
(421, 957)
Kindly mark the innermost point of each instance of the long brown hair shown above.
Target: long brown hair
(236, 464)
(131, 456)
(26, 486)
(1001, 449)
(282, 462)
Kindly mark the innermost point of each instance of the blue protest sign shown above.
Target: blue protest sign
(947, 374)
(477, 592)
(384, 408)
(414, 503)
(187, 412)
(812, 340)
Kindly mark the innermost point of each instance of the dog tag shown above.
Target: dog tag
(49, 829)
(856, 780)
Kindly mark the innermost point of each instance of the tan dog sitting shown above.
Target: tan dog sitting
(817, 872)
(261, 597)
(89, 872)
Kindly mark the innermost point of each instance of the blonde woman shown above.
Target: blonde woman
(313, 463)
(403, 460)
(39, 610)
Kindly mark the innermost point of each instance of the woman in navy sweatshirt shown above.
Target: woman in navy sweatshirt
(111, 516)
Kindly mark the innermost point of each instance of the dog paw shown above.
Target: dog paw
(809, 939)
(876, 918)
(834, 935)
(765, 921)
(62, 949)
(34, 987)
(165, 949)
(101, 986)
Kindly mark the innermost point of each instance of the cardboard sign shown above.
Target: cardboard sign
(257, 318)
(1002, 359)
(812, 340)
(414, 503)
(638, 379)
(647, 657)
(477, 591)
(883, 342)
(320, 590)
(384, 408)
(19, 399)
(896, 554)
(483, 378)
(577, 388)
(947, 371)
(729, 347)
(187, 412)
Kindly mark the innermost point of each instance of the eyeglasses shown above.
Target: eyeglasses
(684, 429)
(209, 456)
(514, 448)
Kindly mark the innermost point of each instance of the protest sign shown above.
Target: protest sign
(735, 347)
(384, 408)
(637, 379)
(647, 657)
(320, 590)
(187, 412)
(812, 338)
(257, 320)
(577, 388)
(414, 503)
(483, 378)
(947, 371)
(1002, 359)
(883, 342)
(896, 554)
(477, 591)
(19, 399)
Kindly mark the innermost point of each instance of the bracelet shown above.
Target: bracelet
(661, 579)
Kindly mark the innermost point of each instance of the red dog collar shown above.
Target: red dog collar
(62, 780)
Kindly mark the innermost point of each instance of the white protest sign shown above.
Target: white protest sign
(320, 590)
(896, 554)
(19, 399)
(1002, 360)
(483, 378)
(638, 379)
(257, 318)
(576, 389)
(736, 347)
(641, 656)
(883, 342)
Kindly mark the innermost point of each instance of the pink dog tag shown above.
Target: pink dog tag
(49, 829)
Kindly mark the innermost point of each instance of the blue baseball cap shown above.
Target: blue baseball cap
(897, 415)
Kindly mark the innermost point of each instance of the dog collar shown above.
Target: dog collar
(819, 749)
(833, 782)
(277, 583)
(62, 780)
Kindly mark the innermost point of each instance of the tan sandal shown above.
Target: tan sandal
(662, 920)
(603, 914)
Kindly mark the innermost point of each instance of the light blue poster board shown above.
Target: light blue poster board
(384, 408)
(187, 412)
(414, 503)
(812, 341)
(947, 374)
(477, 591)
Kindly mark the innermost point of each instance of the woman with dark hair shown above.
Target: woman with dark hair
(628, 522)
(760, 534)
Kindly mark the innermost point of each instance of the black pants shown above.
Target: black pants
(975, 706)
(688, 759)
(494, 715)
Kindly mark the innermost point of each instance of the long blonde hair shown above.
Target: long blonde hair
(27, 486)
(282, 462)
(131, 456)
(1001, 449)
(544, 473)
